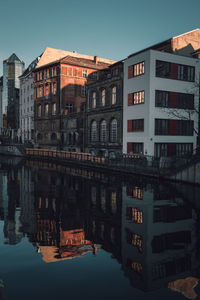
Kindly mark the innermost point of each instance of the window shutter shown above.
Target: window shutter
(130, 72)
(129, 147)
(129, 125)
(130, 99)
(174, 71)
(173, 100)
(173, 127)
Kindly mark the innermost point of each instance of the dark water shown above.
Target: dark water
(68, 233)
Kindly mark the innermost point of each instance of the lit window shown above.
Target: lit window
(54, 87)
(114, 89)
(103, 97)
(46, 111)
(53, 108)
(94, 100)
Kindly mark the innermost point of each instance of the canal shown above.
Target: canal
(68, 232)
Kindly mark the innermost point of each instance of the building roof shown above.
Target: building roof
(76, 61)
(189, 36)
(31, 67)
(82, 62)
(52, 55)
(13, 58)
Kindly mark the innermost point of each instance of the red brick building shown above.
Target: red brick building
(59, 99)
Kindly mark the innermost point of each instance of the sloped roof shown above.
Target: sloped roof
(88, 63)
(52, 55)
(13, 58)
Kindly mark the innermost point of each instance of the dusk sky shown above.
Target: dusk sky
(107, 28)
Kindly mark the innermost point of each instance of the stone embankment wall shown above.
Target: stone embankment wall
(189, 174)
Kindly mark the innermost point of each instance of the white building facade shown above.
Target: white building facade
(26, 104)
(161, 96)
(26, 107)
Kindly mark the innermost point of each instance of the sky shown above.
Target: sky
(107, 28)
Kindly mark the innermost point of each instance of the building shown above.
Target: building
(104, 112)
(26, 104)
(12, 69)
(1, 97)
(161, 98)
(60, 98)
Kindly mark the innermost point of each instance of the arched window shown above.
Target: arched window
(39, 136)
(113, 131)
(103, 131)
(103, 97)
(93, 131)
(94, 100)
(114, 95)
(39, 110)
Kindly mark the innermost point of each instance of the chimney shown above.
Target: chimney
(96, 59)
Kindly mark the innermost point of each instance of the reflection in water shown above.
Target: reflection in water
(150, 228)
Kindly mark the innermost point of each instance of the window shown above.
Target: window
(53, 108)
(39, 110)
(113, 93)
(162, 69)
(136, 70)
(113, 131)
(94, 100)
(84, 73)
(54, 88)
(135, 125)
(135, 147)
(83, 91)
(94, 131)
(103, 131)
(174, 127)
(161, 98)
(40, 92)
(46, 110)
(172, 149)
(69, 107)
(135, 215)
(136, 98)
(103, 97)
(53, 71)
(46, 90)
(186, 73)
(166, 69)
(174, 100)
(161, 127)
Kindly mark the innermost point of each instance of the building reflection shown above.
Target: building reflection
(151, 229)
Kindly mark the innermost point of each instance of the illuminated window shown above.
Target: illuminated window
(134, 215)
(134, 239)
(54, 88)
(114, 96)
(114, 202)
(46, 109)
(103, 97)
(94, 100)
(53, 108)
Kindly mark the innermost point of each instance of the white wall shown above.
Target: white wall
(149, 83)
